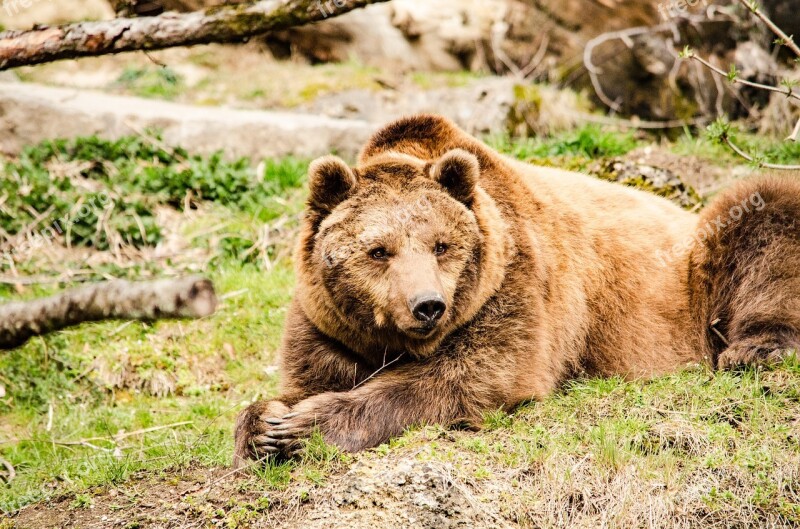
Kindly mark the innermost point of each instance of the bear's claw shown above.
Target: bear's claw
(754, 352)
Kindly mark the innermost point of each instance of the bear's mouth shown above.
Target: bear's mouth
(422, 332)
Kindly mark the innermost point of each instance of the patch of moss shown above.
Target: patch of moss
(661, 182)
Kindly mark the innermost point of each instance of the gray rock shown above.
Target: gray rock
(408, 493)
(31, 113)
(8, 77)
(480, 107)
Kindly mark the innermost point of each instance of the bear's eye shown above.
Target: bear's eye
(440, 248)
(379, 254)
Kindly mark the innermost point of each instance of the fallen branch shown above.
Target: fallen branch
(190, 297)
(9, 473)
(223, 24)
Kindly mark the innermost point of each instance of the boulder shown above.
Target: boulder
(31, 113)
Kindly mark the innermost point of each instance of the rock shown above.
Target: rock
(31, 113)
(705, 176)
(480, 107)
(8, 76)
(639, 74)
(407, 493)
(489, 105)
(662, 182)
(435, 35)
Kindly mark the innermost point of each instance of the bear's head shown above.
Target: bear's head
(398, 252)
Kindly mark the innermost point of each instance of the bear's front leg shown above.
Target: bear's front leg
(251, 425)
(436, 391)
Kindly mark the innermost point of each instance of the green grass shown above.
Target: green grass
(206, 370)
(101, 194)
(706, 144)
(153, 82)
(571, 150)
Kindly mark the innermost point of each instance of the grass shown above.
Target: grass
(103, 413)
(574, 150)
(151, 82)
(104, 195)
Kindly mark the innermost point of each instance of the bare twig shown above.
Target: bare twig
(625, 36)
(120, 436)
(786, 40)
(537, 58)
(795, 132)
(38, 218)
(237, 470)
(498, 34)
(235, 293)
(713, 327)
(384, 366)
(740, 152)
(788, 92)
(154, 141)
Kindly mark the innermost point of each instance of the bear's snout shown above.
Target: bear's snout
(428, 308)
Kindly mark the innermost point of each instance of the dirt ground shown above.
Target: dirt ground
(401, 491)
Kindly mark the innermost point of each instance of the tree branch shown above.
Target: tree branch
(230, 23)
(9, 471)
(788, 92)
(765, 165)
(785, 39)
(190, 297)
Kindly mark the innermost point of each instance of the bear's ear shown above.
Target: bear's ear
(330, 182)
(457, 171)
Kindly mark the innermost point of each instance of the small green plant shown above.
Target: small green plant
(754, 149)
(320, 453)
(153, 82)
(81, 501)
(275, 474)
(497, 419)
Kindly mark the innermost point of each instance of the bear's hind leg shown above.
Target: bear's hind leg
(761, 348)
(745, 275)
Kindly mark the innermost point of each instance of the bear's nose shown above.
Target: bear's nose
(428, 307)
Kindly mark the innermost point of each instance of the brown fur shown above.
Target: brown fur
(545, 274)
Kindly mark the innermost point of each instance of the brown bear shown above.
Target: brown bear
(439, 280)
